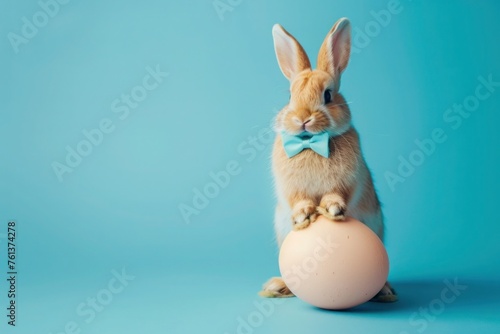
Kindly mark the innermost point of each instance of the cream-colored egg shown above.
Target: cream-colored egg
(334, 265)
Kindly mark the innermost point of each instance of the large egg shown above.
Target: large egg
(334, 264)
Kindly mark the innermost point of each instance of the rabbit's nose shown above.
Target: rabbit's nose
(298, 121)
(307, 121)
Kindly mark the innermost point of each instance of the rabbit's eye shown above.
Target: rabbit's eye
(327, 96)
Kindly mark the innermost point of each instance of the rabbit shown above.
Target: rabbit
(308, 184)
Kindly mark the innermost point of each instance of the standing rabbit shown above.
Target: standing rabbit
(317, 161)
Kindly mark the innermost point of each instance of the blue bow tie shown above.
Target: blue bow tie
(294, 144)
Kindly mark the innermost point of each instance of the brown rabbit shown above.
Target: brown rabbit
(337, 184)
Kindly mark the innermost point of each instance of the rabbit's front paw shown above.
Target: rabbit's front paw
(332, 206)
(303, 214)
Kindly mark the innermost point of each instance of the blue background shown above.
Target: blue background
(120, 207)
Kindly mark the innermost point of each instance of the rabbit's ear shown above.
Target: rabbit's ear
(334, 52)
(291, 56)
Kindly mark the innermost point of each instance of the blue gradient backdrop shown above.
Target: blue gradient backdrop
(119, 208)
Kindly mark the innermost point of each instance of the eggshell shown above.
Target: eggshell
(334, 264)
